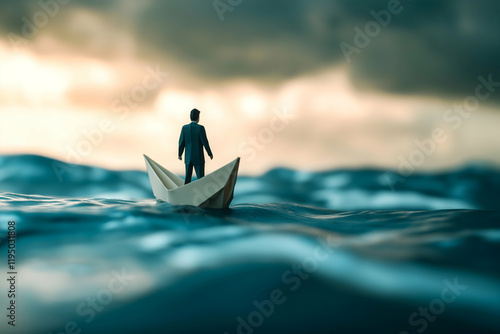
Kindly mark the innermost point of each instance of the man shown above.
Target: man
(194, 138)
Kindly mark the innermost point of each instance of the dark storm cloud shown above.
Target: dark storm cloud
(431, 47)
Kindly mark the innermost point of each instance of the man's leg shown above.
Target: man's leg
(189, 173)
(200, 170)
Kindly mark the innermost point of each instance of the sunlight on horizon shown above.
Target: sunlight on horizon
(335, 125)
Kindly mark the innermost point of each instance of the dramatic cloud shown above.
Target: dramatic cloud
(68, 65)
(429, 47)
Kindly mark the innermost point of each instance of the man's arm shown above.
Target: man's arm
(205, 143)
(182, 144)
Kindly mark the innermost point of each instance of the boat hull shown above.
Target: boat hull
(215, 190)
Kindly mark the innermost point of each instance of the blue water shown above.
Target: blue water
(343, 251)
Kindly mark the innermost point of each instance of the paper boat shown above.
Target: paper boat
(211, 191)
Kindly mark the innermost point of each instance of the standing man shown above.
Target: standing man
(194, 138)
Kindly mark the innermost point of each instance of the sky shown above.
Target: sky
(309, 84)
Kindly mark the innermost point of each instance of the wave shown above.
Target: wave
(470, 187)
(297, 252)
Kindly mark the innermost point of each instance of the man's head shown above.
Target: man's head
(195, 115)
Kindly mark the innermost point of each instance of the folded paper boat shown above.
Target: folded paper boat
(214, 190)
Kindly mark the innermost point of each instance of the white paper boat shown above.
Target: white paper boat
(214, 190)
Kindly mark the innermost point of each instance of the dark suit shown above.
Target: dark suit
(193, 139)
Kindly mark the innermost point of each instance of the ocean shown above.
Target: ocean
(340, 251)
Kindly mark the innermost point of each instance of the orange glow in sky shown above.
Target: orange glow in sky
(56, 105)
